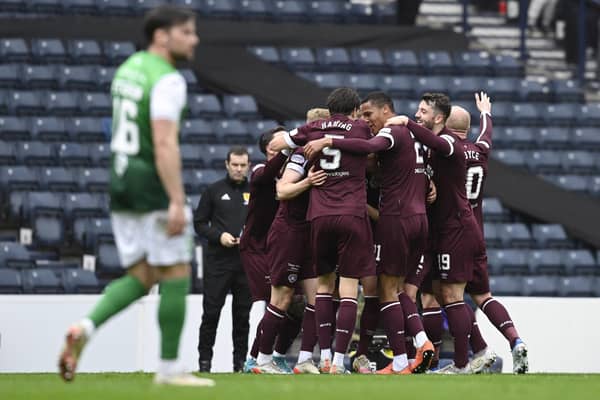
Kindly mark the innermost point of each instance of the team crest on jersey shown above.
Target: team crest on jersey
(292, 278)
(246, 196)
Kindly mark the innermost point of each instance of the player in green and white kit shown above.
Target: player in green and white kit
(152, 226)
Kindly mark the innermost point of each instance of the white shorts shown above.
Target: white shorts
(144, 237)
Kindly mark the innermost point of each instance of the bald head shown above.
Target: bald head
(459, 121)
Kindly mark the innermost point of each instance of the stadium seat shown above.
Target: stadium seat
(94, 179)
(104, 77)
(493, 210)
(579, 162)
(525, 114)
(193, 156)
(333, 59)
(36, 153)
(205, 106)
(49, 129)
(197, 131)
(506, 285)
(196, 181)
(298, 58)
(8, 153)
(269, 54)
(574, 183)
(25, 103)
(240, 106)
(79, 7)
(559, 114)
(74, 155)
(140, 7)
(117, 52)
(256, 128)
(503, 88)
(580, 262)
(360, 13)
(42, 203)
(107, 261)
(59, 179)
(78, 205)
(99, 155)
(48, 230)
(41, 281)
(190, 80)
(464, 87)
(507, 65)
(115, 7)
(577, 286)
(550, 235)
(515, 235)
(13, 129)
(216, 156)
(514, 158)
(587, 138)
(398, 86)
(19, 178)
(544, 162)
(540, 286)
(363, 83)
(594, 185)
(553, 138)
(15, 255)
(535, 90)
(328, 80)
(289, 10)
(368, 60)
(85, 52)
(509, 261)
(46, 6)
(567, 90)
(89, 233)
(473, 63)
(10, 281)
(96, 104)
(490, 233)
(77, 77)
(62, 103)
(14, 50)
(84, 129)
(588, 115)
(48, 51)
(437, 62)
(326, 11)
(79, 281)
(517, 137)
(431, 84)
(39, 76)
(255, 9)
(502, 114)
(9, 76)
(232, 131)
(546, 262)
(402, 61)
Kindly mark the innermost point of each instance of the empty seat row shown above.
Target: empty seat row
(519, 235)
(545, 286)
(542, 261)
(339, 59)
(576, 183)
(47, 281)
(547, 138)
(64, 179)
(552, 161)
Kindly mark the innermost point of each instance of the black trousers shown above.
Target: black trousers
(220, 278)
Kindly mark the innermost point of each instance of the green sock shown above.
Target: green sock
(117, 296)
(171, 315)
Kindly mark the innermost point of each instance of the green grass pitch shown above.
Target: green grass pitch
(242, 387)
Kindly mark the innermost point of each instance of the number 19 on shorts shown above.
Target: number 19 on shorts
(443, 262)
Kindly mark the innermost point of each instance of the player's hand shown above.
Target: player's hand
(397, 120)
(483, 102)
(175, 219)
(432, 194)
(316, 178)
(227, 240)
(314, 147)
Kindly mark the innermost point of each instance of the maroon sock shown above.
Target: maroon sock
(459, 322)
(287, 334)
(393, 321)
(433, 322)
(411, 351)
(309, 329)
(499, 317)
(412, 319)
(271, 326)
(475, 339)
(346, 321)
(368, 324)
(325, 317)
(256, 343)
(336, 307)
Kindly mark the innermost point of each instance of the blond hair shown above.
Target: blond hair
(316, 113)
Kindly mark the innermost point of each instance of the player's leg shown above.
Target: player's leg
(459, 321)
(324, 317)
(368, 324)
(289, 332)
(217, 282)
(240, 309)
(345, 322)
(305, 363)
(433, 320)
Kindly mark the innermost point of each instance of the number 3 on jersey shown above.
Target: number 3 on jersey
(126, 134)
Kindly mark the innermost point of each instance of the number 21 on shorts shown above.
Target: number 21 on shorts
(444, 262)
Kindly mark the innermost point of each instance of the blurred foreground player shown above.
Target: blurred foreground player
(152, 226)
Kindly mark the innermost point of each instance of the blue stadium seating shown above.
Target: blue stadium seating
(39, 76)
(363, 83)
(507, 65)
(78, 205)
(541, 286)
(115, 7)
(85, 52)
(518, 137)
(99, 155)
(506, 285)
(48, 51)
(193, 156)
(588, 115)
(289, 10)
(19, 178)
(503, 88)
(256, 9)
(398, 86)
(553, 138)
(490, 232)
(14, 50)
(59, 179)
(579, 162)
(473, 63)
(63, 103)
(195, 181)
(535, 90)
(85, 129)
(437, 62)
(402, 61)
(514, 158)
(368, 60)
(216, 156)
(587, 138)
(36, 153)
(9, 76)
(333, 59)
(117, 52)
(79, 281)
(525, 114)
(298, 58)
(493, 210)
(74, 155)
(48, 230)
(25, 103)
(94, 179)
(594, 184)
(205, 106)
(545, 161)
(269, 54)
(220, 8)
(256, 128)
(46, 6)
(237, 106)
(8, 153)
(197, 131)
(464, 87)
(546, 262)
(567, 90)
(41, 281)
(104, 77)
(90, 232)
(10, 281)
(559, 114)
(580, 262)
(327, 80)
(49, 129)
(326, 11)
(577, 286)
(14, 255)
(575, 183)
(430, 84)
(79, 7)
(107, 260)
(509, 261)
(550, 235)
(231, 131)
(77, 77)
(13, 128)
(95, 104)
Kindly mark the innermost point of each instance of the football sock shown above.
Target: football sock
(304, 356)
(411, 351)
(338, 359)
(263, 359)
(324, 316)
(420, 339)
(400, 362)
(257, 311)
(393, 321)
(368, 323)
(412, 319)
(168, 367)
(499, 317)
(345, 324)
(256, 342)
(433, 322)
(288, 331)
(475, 339)
(336, 307)
(171, 315)
(117, 296)
(271, 323)
(459, 322)
(325, 354)
(309, 330)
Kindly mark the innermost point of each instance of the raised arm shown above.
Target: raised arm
(265, 173)
(442, 144)
(484, 140)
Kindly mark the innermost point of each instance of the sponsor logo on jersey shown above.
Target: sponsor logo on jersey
(292, 278)
(225, 197)
(246, 196)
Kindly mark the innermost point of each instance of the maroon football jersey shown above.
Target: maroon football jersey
(262, 205)
(449, 174)
(293, 211)
(401, 159)
(477, 154)
(344, 190)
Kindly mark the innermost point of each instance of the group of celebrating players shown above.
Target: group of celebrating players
(310, 227)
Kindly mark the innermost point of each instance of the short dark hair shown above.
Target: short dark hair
(237, 150)
(266, 137)
(164, 17)
(379, 99)
(440, 103)
(343, 101)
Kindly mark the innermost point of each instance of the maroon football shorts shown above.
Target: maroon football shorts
(289, 254)
(343, 240)
(480, 284)
(256, 266)
(399, 243)
(458, 248)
